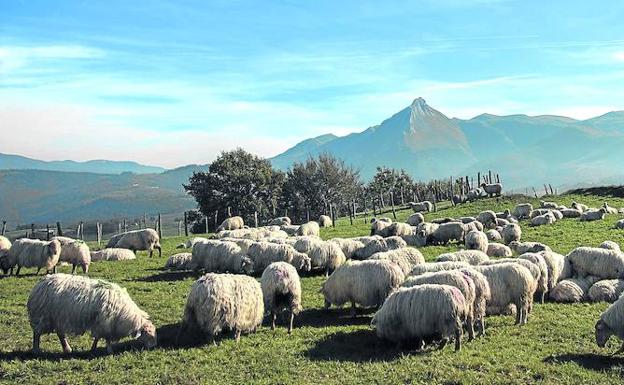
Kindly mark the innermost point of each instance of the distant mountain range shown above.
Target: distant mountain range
(525, 150)
(17, 162)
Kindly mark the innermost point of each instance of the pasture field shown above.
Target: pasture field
(556, 346)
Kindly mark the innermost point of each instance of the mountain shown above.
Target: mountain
(524, 150)
(17, 162)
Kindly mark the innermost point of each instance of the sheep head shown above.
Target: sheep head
(603, 332)
(147, 335)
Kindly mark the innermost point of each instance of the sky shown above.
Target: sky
(170, 83)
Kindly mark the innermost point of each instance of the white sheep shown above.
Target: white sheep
(610, 245)
(180, 262)
(281, 289)
(325, 256)
(290, 229)
(533, 268)
(543, 281)
(189, 243)
(611, 322)
(503, 214)
(607, 290)
(557, 214)
(221, 257)
(528, 247)
(74, 252)
(467, 219)
(406, 258)
(442, 234)
(603, 263)
(555, 263)
(476, 240)
(593, 215)
(487, 218)
(219, 302)
(348, 245)
(309, 229)
(473, 257)
(619, 224)
(472, 226)
(144, 239)
(430, 267)
(580, 206)
(71, 305)
(5, 245)
(493, 236)
(422, 311)
(609, 209)
(572, 290)
(27, 253)
(366, 283)
(522, 210)
(424, 206)
(325, 221)
(545, 219)
(548, 205)
(396, 229)
(112, 254)
(232, 223)
(415, 219)
(492, 189)
(245, 244)
(280, 221)
(474, 194)
(379, 244)
(378, 226)
(570, 213)
(500, 222)
(262, 254)
(498, 250)
(482, 297)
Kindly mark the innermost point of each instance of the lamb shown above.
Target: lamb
(180, 262)
(281, 290)
(473, 257)
(548, 205)
(27, 252)
(572, 290)
(232, 223)
(610, 245)
(325, 221)
(609, 209)
(262, 254)
(487, 218)
(522, 210)
(476, 240)
(377, 245)
(221, 257)
(425, 206)
(309, 229)
(112, 254)
(415, 219)
(431, 267)
(580, 206)
(406, 258)
(366, 283)
(510, 283)
(542, 283)
(546, 219)
(325, 256)
(348, 246)
(420, 312)
(280, 221)
(219, 302)
(570, 213)
(607, 290)
(473, 194)
(69, 304)
(593, 215)
(498, 250)
(74, 252)
(493, 236)
(145, 239)
(603, 263)
(611, 323)
(189, 243)
(492, 189)
(528, 247)
(555, 263)
(452, 278)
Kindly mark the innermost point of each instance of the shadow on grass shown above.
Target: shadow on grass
(597, 362)
(169, 276)
(333, 317)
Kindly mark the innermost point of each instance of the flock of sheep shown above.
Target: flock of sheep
(419, 304)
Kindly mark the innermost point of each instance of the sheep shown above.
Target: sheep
(609, 209)
(245, 244)
(74, 252)
(219, 302)
(69, 304)
(476, 240)
(522, 210)
(473, 194)
(442, 234)
(607, 290)
(325, 221)
(610, 245)
(492, 189)
(452, 278)
(611, 323)
(603, 263)
(542, 283)
(441, 221)
(467, 219)
(527, 247)
(555, 263)
(457, 199)
(27, 252)
(533, 268)
(219, 256)
(503, 214)
(593, 215)
(406, 258)
(144, 239)
(538, 212)
(112, 254)
(415, 219)
(180, 261)
(431, 267)
(377, 245)
(113, 240)
(546, 219)
(280, 221)
(501, 222)
(290, 229)
(619, 224)
(396, 229)
(5, 245)
(325, 256)
(366, 283)
(548, 205)
(482, 297)
(510, 284)
(309, 229)
(498, 250)
(557, 214)
(425, 206)
(420, 312)
(493, 235)
(570, 213)
(473, 257)
(580, 206)
(348, 246)
(378, 226)
(472, 226)
(262, 254)
(572, 290)
(367, 238)
(281, 290)
(232, 223)
(487, 218)
(189, 243)
(510, 233)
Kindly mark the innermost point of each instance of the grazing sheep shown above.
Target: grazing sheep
(325, 221)
(503, 214)
(290, 229)
(603, 263)
(27, 252)
(472, 226)
(232, 223)
(452, 278)
(555, 263)
(593, 215)
(378, 226)
(498, 250)
(112, 254)
(542, 283)
(548, 205)
(348, 246)
(492, 189)
(442, 234)
(572, 290)
(493, 235)
(431, 267)
(487, 218)
(74, 252)
(5, 245)
(501, 222)
(377, 245)
(324, 256)
(473, 257)
(309, 229)
(510, 284)
(510, 233)
(440, 221)
(546, 219)
(224, 302)
(421, 312)
(610, 245)
(570, 213)
(69, 304)
(396, 229)
(527, 247)
(467, 219)
(579, 206)
(189, 243)
(415, 219)
(607, 290)
(482, 297)
(180, 262)
(619, 224)
(221, 257)
(611, 323)
(406, 258)
(557, 214)
(281, 289)
(609, 209)
(522, 210)
(144, 239)
(532, 267)
(476, 240)
(474, 194)
(280, 221)
(424, 206)
(457, 199)
(366, 283)
(262, 254)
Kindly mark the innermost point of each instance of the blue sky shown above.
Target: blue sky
(172, 83)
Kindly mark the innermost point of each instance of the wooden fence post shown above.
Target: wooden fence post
(179, 228)
(229, 212)
(478, 178)
(392, 202)
(32, 230)
(47, 232)
(255, 219)
(216, 220)
(159, 226)
(551, 189)
(125, 226)
(98, 235)
(3, 228)
(185, 225)
(333, 214)
(490, 176)
(206, 223)
(307, 214)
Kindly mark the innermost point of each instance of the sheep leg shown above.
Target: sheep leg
(458, 336)
(443, 343)
(109, 346)
(38, 270)
(237, 335)
(36, 342)
(482, 327)
(94, 344)
(518, 315)
(327, 304)
(353, 311)
(290, 324)
(470, 327)
(18, 270)
(64, 344)
(85, 269)
(273, 317)
(150, 253)
(54, 270)
(73, 268)
(159, 252)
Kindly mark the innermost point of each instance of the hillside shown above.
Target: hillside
(17, 162)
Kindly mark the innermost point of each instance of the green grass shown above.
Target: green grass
(557, 345)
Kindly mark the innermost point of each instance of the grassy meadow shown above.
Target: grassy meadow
(556, 346)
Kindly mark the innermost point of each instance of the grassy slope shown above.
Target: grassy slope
(557, 345)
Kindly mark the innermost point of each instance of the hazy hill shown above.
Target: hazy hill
(17, 162)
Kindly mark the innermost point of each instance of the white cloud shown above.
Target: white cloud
(13, 58)
(619, 56)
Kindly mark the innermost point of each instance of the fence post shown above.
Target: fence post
(82, 231)
(32, 230)
(307, 214)
(229, 212)
(333, 215)
(350, 215)
(159, 226)
(255, 219)
(206, 223)
(179, 228)
(47, 232)
(185, 225)
(551, 189)
(478, 178)
(3, 227)
(392, 204)
(216, 220)
(125, 226)
(98, 229)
